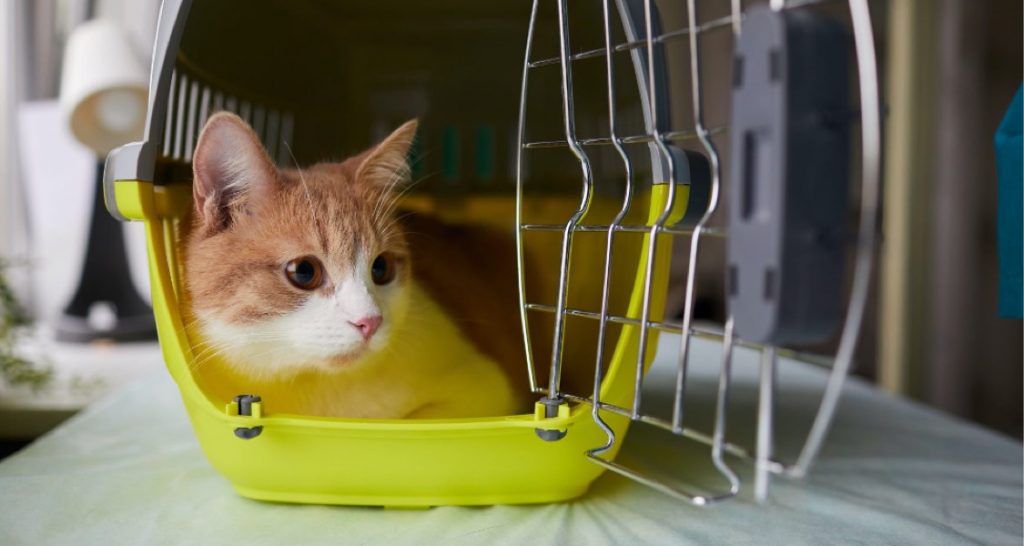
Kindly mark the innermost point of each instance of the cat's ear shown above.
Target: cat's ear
(387, 164)
(231, 171)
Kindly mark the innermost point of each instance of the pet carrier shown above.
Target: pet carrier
(606, 161)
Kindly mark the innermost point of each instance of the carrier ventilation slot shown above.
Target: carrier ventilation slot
(191, 102)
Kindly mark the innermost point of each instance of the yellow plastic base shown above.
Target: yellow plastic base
(381, 462)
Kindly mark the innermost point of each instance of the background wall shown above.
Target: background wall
(954, 66)
(45, 204)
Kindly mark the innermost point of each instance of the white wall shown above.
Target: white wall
(13, 215)
(46, 178)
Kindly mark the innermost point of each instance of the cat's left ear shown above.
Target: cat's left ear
(231, 171)
(387, 164)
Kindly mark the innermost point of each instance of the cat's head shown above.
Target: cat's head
(293, 270)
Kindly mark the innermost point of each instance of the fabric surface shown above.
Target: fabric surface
(1009, 146)
(129, 471)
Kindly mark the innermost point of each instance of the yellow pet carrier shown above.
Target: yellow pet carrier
(597, 165)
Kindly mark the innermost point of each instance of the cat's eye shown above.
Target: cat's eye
(306, 272)
(383, 268)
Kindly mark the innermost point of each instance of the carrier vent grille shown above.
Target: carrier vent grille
(191, 102)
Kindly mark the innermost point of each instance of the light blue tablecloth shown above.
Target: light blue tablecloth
(129, 471)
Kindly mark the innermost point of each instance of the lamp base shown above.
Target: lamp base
(73, 329)
(105, 281)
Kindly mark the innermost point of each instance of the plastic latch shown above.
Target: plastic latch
(247, 405)
(551, 408)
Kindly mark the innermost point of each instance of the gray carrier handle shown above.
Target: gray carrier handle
(789, 177)
(137, 160)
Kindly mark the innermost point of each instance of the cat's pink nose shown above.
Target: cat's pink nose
(367, 326)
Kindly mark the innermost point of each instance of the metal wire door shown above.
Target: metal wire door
(644, 39)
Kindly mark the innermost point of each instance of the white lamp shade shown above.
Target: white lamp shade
(103, 87)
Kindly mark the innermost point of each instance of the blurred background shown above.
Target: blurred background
(933, 331)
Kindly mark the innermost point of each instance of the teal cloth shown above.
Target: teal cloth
(1009, 164)
(129, 471)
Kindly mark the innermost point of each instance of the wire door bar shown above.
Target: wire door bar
(642, 44)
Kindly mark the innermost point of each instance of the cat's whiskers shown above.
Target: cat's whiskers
(209, 348)
(389, 200)
(302, 179)
(206, 355)
(400, 176)
(191, 323)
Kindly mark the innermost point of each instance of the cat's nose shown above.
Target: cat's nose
(367, 326)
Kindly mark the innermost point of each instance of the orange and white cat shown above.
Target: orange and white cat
(308, 291)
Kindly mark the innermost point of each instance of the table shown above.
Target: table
(128, 471)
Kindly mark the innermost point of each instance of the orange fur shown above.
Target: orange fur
(251, 218)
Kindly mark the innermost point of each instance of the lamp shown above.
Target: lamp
(103, 100)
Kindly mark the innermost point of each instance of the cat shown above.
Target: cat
(307, 288)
